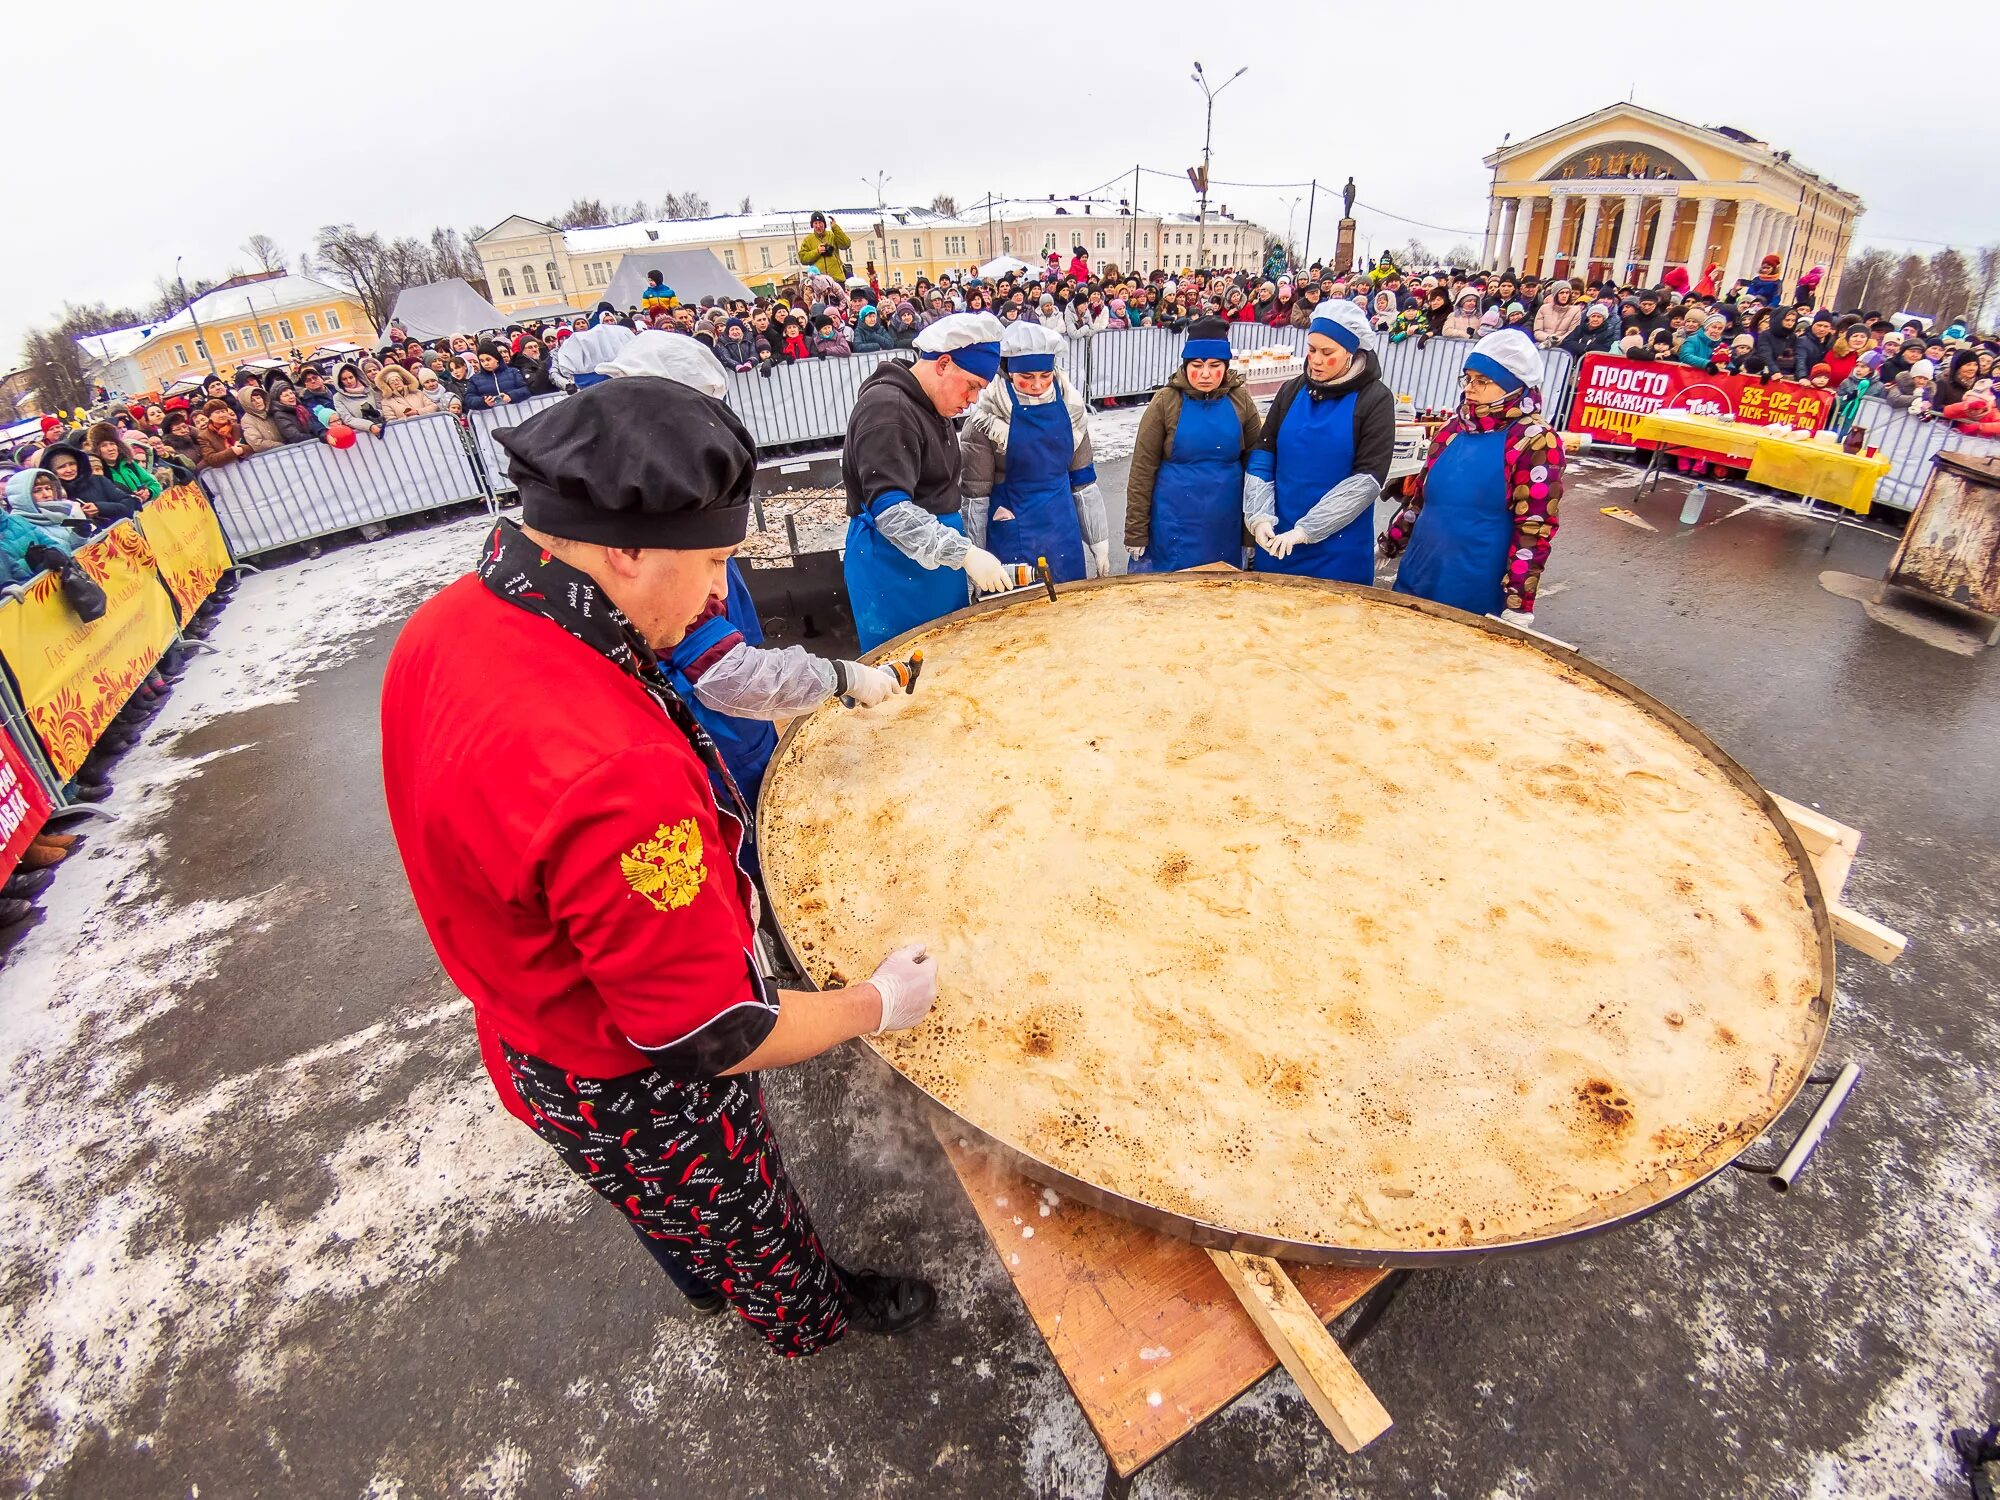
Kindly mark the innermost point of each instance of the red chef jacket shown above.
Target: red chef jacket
(564, 849)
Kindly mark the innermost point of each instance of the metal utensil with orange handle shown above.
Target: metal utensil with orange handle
(905, 673)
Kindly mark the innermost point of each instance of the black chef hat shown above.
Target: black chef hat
(635, 461)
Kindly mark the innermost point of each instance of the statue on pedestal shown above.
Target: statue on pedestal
(1347, 197)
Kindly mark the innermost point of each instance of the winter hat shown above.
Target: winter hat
(1028, 347)
(1507, 358)
(1676, 278)
(1345, 324)
(1470, 294)
(1515, 307)
(1207, 338)
(971, 339)
(1770, 265)
(670, 356)
(640, 462)
(1822, 369)
(1923, 369)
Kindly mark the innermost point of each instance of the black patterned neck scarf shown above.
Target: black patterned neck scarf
(524, 575)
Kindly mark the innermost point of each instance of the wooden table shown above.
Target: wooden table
(1146, 1329)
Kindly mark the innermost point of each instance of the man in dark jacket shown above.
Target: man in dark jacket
(1594, 335)
(102, 501)
(1813, 345)
(495, 382)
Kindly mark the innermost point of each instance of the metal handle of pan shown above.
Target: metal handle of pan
(1838, 1086)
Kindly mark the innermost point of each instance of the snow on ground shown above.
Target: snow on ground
(1113, 432)
(109, 1292)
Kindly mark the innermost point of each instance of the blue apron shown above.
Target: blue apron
(1316, 452)
(1458, 551)
(745, 744)
(742, 608)
(585, 382)
(1040, 448)
(890, 594)
(1198, 496)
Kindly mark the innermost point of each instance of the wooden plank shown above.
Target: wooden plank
(1325, 1375)
(1143, 1327)
(1866, 935)
(1832, 847)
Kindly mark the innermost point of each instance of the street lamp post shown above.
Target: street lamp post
(882, 180)
(1207, 139)
(201, 339)
(1291, 221)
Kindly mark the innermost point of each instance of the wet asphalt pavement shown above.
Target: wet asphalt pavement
(267, 1232)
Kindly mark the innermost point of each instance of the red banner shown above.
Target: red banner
(24, 806)
(1613, 394)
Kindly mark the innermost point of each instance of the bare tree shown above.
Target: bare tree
(688, 205)
(169, 296)
(1988, 260)
(450, 257)
(269, 257)
(1865, 282)
(744, 207)
(1461, 254)
(1950, 281)
(946, 204)
(361, 262)
(1414, 253)
(583, 213)
(58, 363)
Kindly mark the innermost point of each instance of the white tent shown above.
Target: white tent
(443, 308)
(1003, 265)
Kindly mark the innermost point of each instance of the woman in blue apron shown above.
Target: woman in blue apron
(1320, 463)
(907, 560)
(1477, 531)
(1029, 484)
(1184, 493)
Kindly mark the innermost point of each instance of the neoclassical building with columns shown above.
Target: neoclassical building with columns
(1627, 192)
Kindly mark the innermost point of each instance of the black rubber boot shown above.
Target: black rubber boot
(887, 1304)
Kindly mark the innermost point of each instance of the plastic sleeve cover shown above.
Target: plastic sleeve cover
(921, 536)
(1339, 506)
(752, 682)
(1260, 498)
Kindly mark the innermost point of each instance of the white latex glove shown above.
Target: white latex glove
(988, 574)
(1262, 531)
(1522, 618)
(1102, 552)
(1135, 551)
(867, 685)
(907, 983)
(1280, 546)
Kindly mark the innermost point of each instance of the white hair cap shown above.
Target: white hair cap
(960, 331)
(1513, 351)
(671, 356)
(1349, 319)
(1027, 337)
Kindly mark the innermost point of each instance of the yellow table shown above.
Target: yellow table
(1798, 464)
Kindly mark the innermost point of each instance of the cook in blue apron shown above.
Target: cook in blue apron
(1184, 499)
(907, 560)
(736, 688)
(1476, 534)
(1029, 486)
(1323, 456)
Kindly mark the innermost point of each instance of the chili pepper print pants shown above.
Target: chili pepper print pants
(695, 1167)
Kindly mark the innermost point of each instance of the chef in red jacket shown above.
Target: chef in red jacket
(551, 798)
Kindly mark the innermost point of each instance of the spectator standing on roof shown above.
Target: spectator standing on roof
(825, 247)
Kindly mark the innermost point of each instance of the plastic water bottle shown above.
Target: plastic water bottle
(1691, 507)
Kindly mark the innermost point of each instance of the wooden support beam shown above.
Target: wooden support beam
(1323, 1372)
(1832, 847)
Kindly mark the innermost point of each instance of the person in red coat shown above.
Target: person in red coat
(552, 801)
(1079, 264)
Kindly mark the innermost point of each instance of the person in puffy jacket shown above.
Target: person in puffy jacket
(1594, 334)
(1778, 339)
(102, 501)
(869, 334)
(1463, 320)
(18, 534)
(494, 383)
(400, 396)
(1557, 317)
(295, 421)
(259, 431)
(120, 467)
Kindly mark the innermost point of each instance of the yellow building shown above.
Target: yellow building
(274, 315)
(1628, 192)
(534, 269)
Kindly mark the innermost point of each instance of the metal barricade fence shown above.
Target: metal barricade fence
(307, 490)
(1910, 443)
(15, 725)
(481, 424)
(803, 402)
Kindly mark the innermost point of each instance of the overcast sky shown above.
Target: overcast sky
(463, 114)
